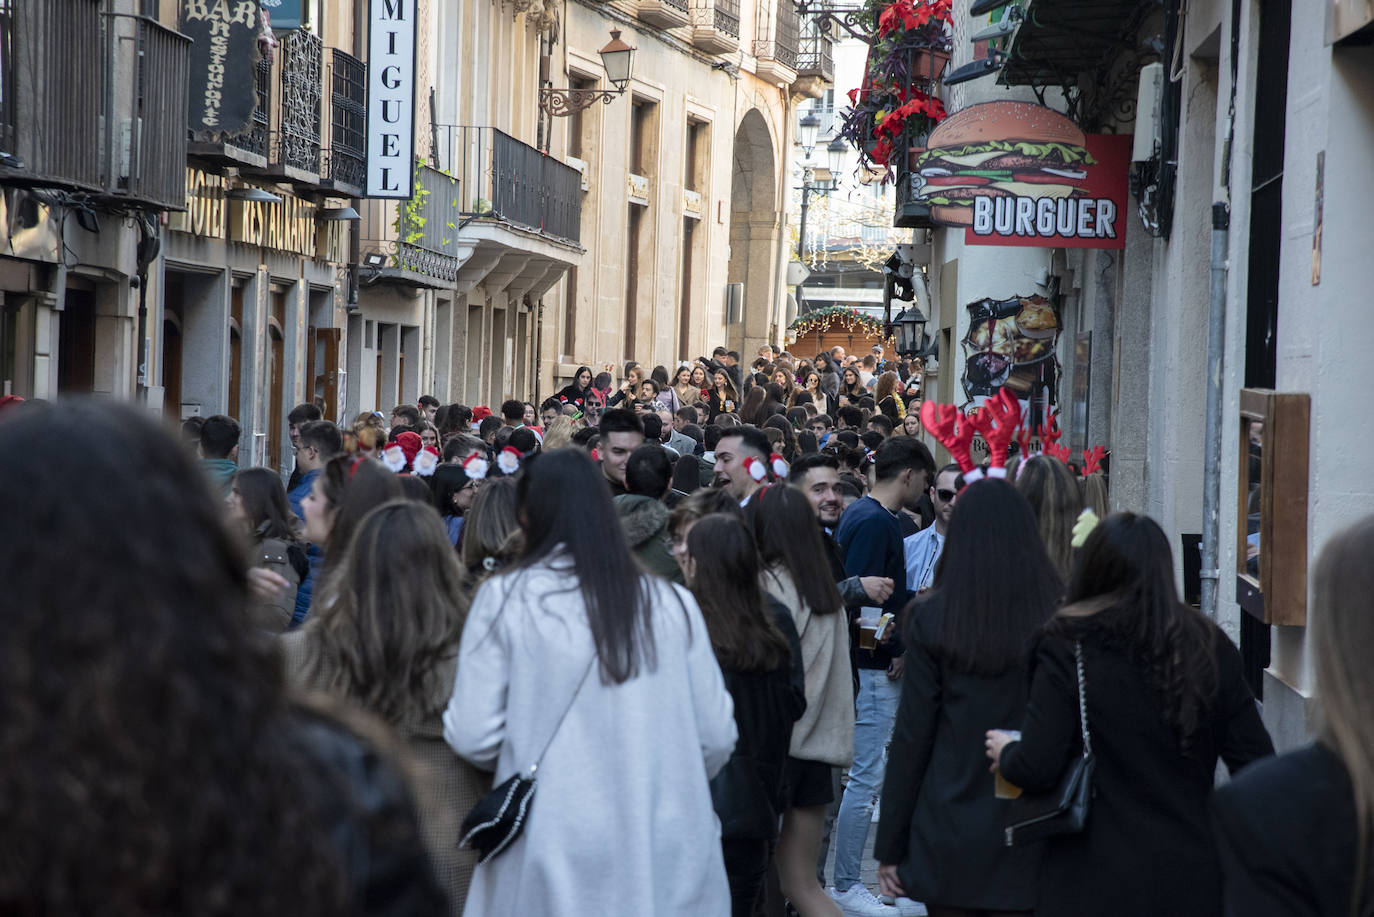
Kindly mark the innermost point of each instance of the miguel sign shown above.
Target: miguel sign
(224, 50)
(391, 98)
(1015, 173)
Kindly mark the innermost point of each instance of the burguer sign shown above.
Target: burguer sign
(1020, 174)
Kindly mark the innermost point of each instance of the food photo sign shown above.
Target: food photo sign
(1016, 173)
(1010, 342)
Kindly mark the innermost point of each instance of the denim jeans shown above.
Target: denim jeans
(875, 713)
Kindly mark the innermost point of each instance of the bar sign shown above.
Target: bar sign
(391, 98)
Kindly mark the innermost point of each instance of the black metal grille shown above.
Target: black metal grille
(298, 142)
(534, 190)
(254, 140)
(815, 57)
(786, 32)
(146, 158)
(349, 104)
(677, 4)
(58, 73)
(727, 17)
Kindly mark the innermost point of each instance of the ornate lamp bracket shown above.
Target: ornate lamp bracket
(561, 102)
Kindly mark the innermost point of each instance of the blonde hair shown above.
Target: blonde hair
(1343, 641)
(1093, 490)
(559, 434)
(1052, 490)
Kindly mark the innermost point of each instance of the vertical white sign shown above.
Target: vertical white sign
(391, 98)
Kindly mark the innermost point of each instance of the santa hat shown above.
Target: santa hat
(410, 444)
(475, 466)
(509, 460)
(426, 461)
(779, 465)
(480, 413)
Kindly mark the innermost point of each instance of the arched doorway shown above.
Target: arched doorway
(754, 229)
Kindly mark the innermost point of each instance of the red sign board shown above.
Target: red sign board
(1095, 219)
(1016, 173)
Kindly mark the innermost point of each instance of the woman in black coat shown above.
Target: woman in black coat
(1165, 699)
(940, 837)
(760, 657)
(576, 392)
(1289, 829)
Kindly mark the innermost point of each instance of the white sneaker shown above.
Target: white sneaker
(858, 901)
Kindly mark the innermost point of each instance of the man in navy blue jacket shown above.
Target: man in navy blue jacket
(871, 538)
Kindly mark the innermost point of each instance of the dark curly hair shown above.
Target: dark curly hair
(150, 760)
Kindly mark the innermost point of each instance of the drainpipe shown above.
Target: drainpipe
(1211, 473)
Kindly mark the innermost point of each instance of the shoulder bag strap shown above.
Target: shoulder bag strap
(1082, 699)
(559, 725)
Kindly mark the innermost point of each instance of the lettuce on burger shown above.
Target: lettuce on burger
(1013, 149)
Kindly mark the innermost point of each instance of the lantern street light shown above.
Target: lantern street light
(617, 58)
(807, 129)
(908, 328)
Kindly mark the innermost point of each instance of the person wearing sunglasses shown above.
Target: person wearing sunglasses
(923, 548)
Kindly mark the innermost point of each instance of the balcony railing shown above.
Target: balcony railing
(344, 163)
(297, 143)
(420, 237)
(93, 102)
(144, 152)
(503, 179)
(726, 17)
(815, 57)
(779, 30)
(56, 94)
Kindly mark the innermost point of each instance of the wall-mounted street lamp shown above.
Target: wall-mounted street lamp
(618, 60)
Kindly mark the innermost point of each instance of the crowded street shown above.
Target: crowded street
(686, 458)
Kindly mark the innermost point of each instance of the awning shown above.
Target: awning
(1059, 40)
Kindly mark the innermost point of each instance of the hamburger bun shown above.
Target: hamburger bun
(1004, 121)
(952, 214)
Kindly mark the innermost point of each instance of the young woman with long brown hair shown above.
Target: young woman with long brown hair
(798, 574)
(760, 657)
(385, 638)
(1055, 498)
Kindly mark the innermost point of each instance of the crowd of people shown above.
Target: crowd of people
(726, 618)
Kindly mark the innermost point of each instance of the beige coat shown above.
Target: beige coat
(446, 788)
(825, 731)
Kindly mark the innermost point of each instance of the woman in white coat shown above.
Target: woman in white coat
(621, 821)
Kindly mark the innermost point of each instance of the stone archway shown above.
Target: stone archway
(754, 229)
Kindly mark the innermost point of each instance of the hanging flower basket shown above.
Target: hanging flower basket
(896, 101)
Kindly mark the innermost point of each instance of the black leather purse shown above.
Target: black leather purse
(499, 816)
(1063, 810)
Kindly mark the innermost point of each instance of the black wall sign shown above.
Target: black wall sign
(222, 95)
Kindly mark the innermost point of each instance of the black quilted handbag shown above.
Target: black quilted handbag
(1063, 810)
(499, 816)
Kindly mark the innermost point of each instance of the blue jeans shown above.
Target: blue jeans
(876, 711)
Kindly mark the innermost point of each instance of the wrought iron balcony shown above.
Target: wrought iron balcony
(715, 25)
(778, 30)
(419, 236)
(505, 180)
(345, 166)
(93, 102)
(53, 98)
(666, 14)
(815, 57)
(144, 153)
(296, 144)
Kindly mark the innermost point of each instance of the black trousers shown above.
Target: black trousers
(746, 861)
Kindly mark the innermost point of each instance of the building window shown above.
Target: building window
(348, 121)
(698, 155)
(643, 137)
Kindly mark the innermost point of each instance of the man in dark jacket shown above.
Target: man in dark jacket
(870, 536)
(643, 515)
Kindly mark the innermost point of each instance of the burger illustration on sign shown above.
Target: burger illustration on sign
(1011, 169)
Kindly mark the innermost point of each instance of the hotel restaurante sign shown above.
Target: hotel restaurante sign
(391, 98)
